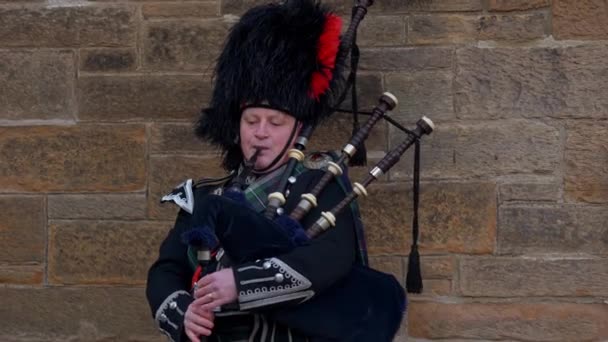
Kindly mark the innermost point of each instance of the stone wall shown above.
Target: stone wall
(97, 101)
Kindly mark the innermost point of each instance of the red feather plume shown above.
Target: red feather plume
(327, 50)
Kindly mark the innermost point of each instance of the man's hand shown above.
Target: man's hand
(198, 321)
(216, 289)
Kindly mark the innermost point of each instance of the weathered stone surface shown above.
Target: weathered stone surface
(389, 264)
(406, 59)
(380, 30)
(583, 19)
(184, 45)
(587, 162)
(535, 82)
(23, 79)
(22, 228)
(395, 6)
(516, 5)
(73, 158)
(520, 277)
(555, 229)
(204, 9)
(422, 93)
(369, 90)
(110, 60)
(238, 7)
(438, 267)
(141, 97)
(21, 274)
(103, 252)
(177, 138)
(111, 206)
(435, 287)
(485, 149)
(76, 314)
(454, 217)
(529, 191)
(442, 29)
(513, 321)
(517, 28)
(68, 26)
(167, 172)
(337, 131)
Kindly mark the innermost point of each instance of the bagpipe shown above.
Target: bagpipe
(246, 235)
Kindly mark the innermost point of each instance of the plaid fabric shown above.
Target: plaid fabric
(257, 192)
(257, 195)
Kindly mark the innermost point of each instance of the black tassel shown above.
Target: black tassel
(413, 281)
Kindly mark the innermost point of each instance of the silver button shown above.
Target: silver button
(163, 317)
(266, 265)
(279, 278)
(291, 179)
(173, 305)
(280, 211)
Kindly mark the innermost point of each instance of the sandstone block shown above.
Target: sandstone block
(112, 98)
(580, 20)
(68, 26)
(334, 133)
(380, 30)
(108, 60)
(184, 45)
(22, 229)
(395, 6)
(528, 191)
(73, 158)
(517, 5)
(458, 218)
(103, 252)
(483, 150)
(110, 206)
(21, 95)
(516, 27)
(406, 59)
(554, 229)
(204, 9)
(422, 93)
(76, 314)
(369, 90)
(442, 29)
(586, 162)
(22, 274)
(535, 82)
(177, 138)
(509, 321)
(526, 277)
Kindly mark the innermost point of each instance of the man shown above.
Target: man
(274, 75)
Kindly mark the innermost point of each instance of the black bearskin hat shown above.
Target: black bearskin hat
(281, 55)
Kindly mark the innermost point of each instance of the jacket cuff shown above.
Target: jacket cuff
(268, 282)
(170, 315)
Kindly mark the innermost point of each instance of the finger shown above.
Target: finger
(191, 335)
(206, 280)
(203, 322)
(204, 290)
(203, 300)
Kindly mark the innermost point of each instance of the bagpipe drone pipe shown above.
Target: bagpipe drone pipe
(246, 235)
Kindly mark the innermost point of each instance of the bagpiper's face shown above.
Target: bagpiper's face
(267, 130)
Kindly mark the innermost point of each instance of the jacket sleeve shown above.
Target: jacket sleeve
(307, 270)
(168, 284)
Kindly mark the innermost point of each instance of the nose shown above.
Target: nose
(261, 130)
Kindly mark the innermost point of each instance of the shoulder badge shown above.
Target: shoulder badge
(317, 160)
(182, 196)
